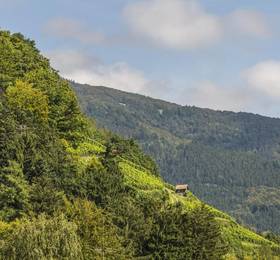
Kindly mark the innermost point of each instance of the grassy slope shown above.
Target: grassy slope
(242, 241)
(230, 160)
(145, 183)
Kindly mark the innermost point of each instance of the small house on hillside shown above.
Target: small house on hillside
(182, 189)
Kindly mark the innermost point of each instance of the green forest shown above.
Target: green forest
(71, 190)
(230, 160)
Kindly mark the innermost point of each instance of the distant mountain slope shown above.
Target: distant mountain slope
(69, 190)
(230, 160)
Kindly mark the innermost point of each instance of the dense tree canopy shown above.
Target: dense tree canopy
(230, 160)
(71, 191)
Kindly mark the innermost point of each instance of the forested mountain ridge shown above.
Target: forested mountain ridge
(69, 190)
(230, 160)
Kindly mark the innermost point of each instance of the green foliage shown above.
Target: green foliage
(42, 238)
(139, 179)
(272, 237)
(18, 56)
(182, 235)
(71, 191)
(20, 60)
(43, 191)
(27, 103)
(11, 143)
(223, 156)
(14, 192)
(207, 233)
(129, 150)
(95, 183)
(99, 238)
(64, 111)
(134, 224)
(242, 241)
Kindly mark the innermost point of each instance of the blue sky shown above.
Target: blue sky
(218, 54)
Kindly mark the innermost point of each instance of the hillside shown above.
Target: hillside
(69, 190)
(230, 160)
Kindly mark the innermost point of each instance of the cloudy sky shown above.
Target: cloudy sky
(210, 53)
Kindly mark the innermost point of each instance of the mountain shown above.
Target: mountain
(230, 160)
(70, 190)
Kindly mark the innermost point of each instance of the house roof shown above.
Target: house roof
(181, 186)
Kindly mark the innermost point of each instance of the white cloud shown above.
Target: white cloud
(184, 24)
(247, 22)
(171, 24)
(209, 95)
(177, 24)
(84, 69)
(260, 91)
(72, 29)
(265, 77)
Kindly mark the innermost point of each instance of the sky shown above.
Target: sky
(217, 54)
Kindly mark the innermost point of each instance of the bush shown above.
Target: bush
(42, 238)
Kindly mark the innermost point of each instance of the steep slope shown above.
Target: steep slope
(230, 160)
(243, 242)
(146, 186)
(71, 191)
